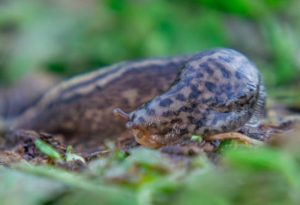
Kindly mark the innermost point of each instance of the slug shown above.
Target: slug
(167, 99)
(81, 108)
(216, 91)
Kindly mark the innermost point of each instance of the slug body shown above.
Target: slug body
(217, 91)
(81, 108)
(211, 92)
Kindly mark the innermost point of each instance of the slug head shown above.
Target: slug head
(154, 128)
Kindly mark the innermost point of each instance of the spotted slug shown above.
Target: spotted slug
(167, 98)
(216, 91)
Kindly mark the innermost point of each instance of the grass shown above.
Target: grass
(242, 175)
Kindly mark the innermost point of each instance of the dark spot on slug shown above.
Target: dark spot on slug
(150, 111)
(141, 120)
(226, 58)
(226, 88)
(186, 109)
(165, 102)
(199, 124)
(188, 80)
(180, 97)
(195, 92)
(226, 74)
(207, 68)
(210, 86)
(193, 105)
(199, 75)
(133, 116)
(238, 75)
(211, 60)
(176, 120)
(190, 68)
(167, 113)
(177, 88)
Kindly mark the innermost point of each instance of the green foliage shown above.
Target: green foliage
(72, 36)
(253, 9)
(78, 188)
(248, 176)
(26, 189)
(70, 156)
(283, 45)
(47, 150)
(261, 175)
(49, 36)
(196, 138)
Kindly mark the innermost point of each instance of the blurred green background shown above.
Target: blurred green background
(68, 37)
(73, 36)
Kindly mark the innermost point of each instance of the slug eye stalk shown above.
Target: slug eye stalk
(119, 113)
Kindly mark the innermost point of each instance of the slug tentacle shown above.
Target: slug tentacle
(121, 114)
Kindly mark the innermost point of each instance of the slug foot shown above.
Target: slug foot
(244, 139)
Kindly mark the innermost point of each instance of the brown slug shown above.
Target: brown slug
(81, 108)
(211, 92)
(217, 91)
